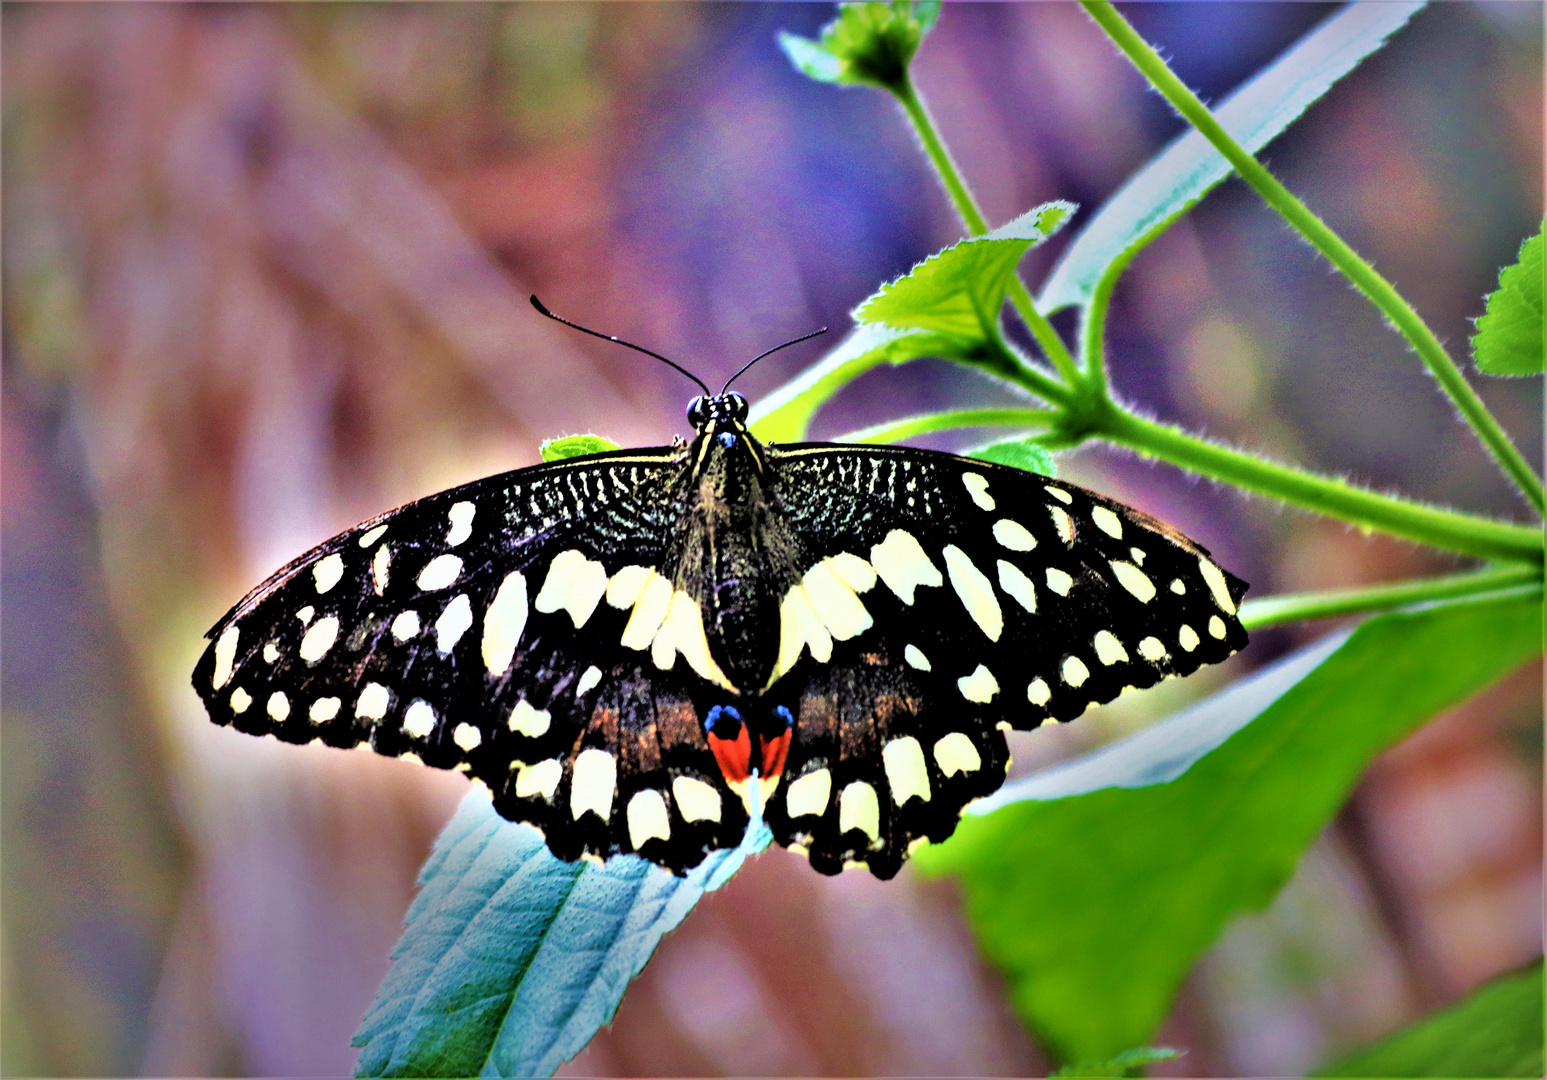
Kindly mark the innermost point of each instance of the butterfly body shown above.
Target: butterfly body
(638, 650)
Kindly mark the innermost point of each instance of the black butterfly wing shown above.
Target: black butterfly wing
(487, 629)
(988, 598)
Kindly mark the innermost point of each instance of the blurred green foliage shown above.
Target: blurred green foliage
(1509, 334)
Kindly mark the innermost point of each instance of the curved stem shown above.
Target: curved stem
(1298, 607)
(1042, 331)
(897, 430)
(1363, 276)
(1415, 521)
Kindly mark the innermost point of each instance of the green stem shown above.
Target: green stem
(961, 197)
(1425, 524)
(1299, 607)
(965, 418)
(1363, 276)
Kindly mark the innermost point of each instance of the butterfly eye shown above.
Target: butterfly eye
(738, 406)
(696, 412)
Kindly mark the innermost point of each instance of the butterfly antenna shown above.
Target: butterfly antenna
(759, 356)
(538, 304)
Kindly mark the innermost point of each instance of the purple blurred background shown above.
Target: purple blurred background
(265, 271)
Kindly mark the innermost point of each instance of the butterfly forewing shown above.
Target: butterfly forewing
(473, 630)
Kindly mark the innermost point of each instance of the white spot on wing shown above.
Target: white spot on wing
(270, 653)
(319, 639)
(372, 536)
(1134, 580)
(648, 614)
(279, 705)
(373, 702)
(647, 818)
(406, 625)
(525, 720)
(1075, 672)
(1217, 627)
(799, 628)
(593, 783)
(906, 773)
(379, 566)
(461, 518)
(439, 572)
(1058, 493)
(328, 571)
(453, 623)
(855, 572)
(574, 584)
(324, 709)
(1063, 523)
(1038, 692)
(1017, 585)
(809, 795)
(980, 686)
(1107, 522)
(624, 587)
(977, 487)
(503, 624)
(467, 737)
(976, 594)
(696, 800)
(541, 779)
(954, 753)
(1108, 649)
(1216, 582)
(305, 614)
(1014, 535)
(1188, 637)
(240, 700)
(858, 808)
(1059, 581)
(588, 680)
(225, 656)
(419, 719)
(1152, 650)
(682, 631)
(840, 610)
(1178, 586)
(916, 658)
(901, 563)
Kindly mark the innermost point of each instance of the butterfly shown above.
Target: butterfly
(640, 651)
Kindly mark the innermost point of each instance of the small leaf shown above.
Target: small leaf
(511, 959)
(1095, 885)
(1509, 337)
(785, 415)
(1128, 1063)
(1497, 1031)
(961, 290)
(1187, 169)
(868, 44)
(1025, 454)
(573, 446)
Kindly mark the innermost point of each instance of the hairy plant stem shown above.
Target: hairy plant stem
(1298, 607)
(1425, 524)
(956, 188)
(1363, 276)
(898, 430)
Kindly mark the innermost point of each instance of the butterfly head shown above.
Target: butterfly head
(722, 410)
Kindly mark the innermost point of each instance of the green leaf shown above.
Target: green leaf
(1025, 454)
(867, 44)
(785, 415)
(1497, 1031)
(931, 311)
(511, 959)
(1128, 1063)
(573, 446)
(1187, 169)
(1509, 337)
(1095, 886)
(961, 290)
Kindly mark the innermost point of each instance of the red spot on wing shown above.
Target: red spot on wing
(774, 751)
(733, 755)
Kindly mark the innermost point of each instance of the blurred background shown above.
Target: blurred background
(265, 275)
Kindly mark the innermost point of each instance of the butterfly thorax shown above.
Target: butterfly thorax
(737, 552)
